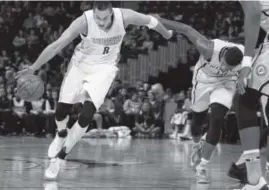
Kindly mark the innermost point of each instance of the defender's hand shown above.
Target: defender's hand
(242, 80)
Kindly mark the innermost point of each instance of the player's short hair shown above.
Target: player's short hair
(233, 56)
(102, 5)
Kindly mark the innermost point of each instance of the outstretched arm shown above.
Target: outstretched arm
(204, 45)
(77, 27)
(131, 17)
(252, 11)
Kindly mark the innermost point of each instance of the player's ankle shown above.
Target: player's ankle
(62, 154)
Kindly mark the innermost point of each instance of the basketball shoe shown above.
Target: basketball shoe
(57, 143)
(53, 170)
(262, 185)
(202, 176)
(238, 172)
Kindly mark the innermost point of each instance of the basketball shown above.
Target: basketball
(30, 87)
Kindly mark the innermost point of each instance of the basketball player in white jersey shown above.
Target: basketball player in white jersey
(252, 85)
(214, 85)
(92, 69)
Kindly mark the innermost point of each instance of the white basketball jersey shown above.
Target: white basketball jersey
(208, 71)
(100, 47)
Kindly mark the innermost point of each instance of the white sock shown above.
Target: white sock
(62, 124)
(252, 158)
(74, 135)
(203, 163)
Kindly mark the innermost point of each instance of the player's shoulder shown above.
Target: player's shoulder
(88, 14)
(223, 43)
(128, 13)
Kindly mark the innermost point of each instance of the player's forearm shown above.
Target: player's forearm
(252, 11)
(252, 27)
(47, 54)
(184, 29)
(162, 30)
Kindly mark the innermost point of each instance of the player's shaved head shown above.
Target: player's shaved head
(103, 13)
(102, 5)
(233, 56)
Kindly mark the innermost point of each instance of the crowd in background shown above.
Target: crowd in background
(27, 27)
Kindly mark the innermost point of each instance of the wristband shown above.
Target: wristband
(153, 22)
(247, 61)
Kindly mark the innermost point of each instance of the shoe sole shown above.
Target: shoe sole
(203, 182)
(50, 179)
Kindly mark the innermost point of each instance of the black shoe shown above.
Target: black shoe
(238, 172)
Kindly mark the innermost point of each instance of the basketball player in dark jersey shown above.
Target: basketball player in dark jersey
(252, 84)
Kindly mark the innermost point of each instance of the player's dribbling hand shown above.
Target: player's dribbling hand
(242, 80)
(27, 71)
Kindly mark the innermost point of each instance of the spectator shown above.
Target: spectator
(25, 62)
(157, 109)
(32, 38)
(116, 85)
(131, 108)
(19, 109)
(145, 123)
(2, 82)
(47, 34)
(5, 111)
(10, 77)
(19, 40)
(4, 57)
(36, 117)
(85, 6)
(29, 22)
(107, 113)
(147, 44)
(16, 59)
(118, 102)
(177, 121)
(49, 110)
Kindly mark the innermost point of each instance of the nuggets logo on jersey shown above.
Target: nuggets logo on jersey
(261, 70)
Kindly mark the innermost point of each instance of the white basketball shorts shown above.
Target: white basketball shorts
(204, 94)
(96, 81)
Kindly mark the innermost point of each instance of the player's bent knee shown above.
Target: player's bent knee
(87, 114)
(62, 111)
(218, 111)
(196, 123)
(246, 111)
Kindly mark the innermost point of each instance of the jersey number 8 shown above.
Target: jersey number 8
(106, 50)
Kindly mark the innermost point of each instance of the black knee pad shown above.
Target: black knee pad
(197, 121)
(62, 111)
(246, 107)
(86, 116)
(217, 115)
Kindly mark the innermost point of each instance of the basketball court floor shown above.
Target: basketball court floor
(111, 164)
